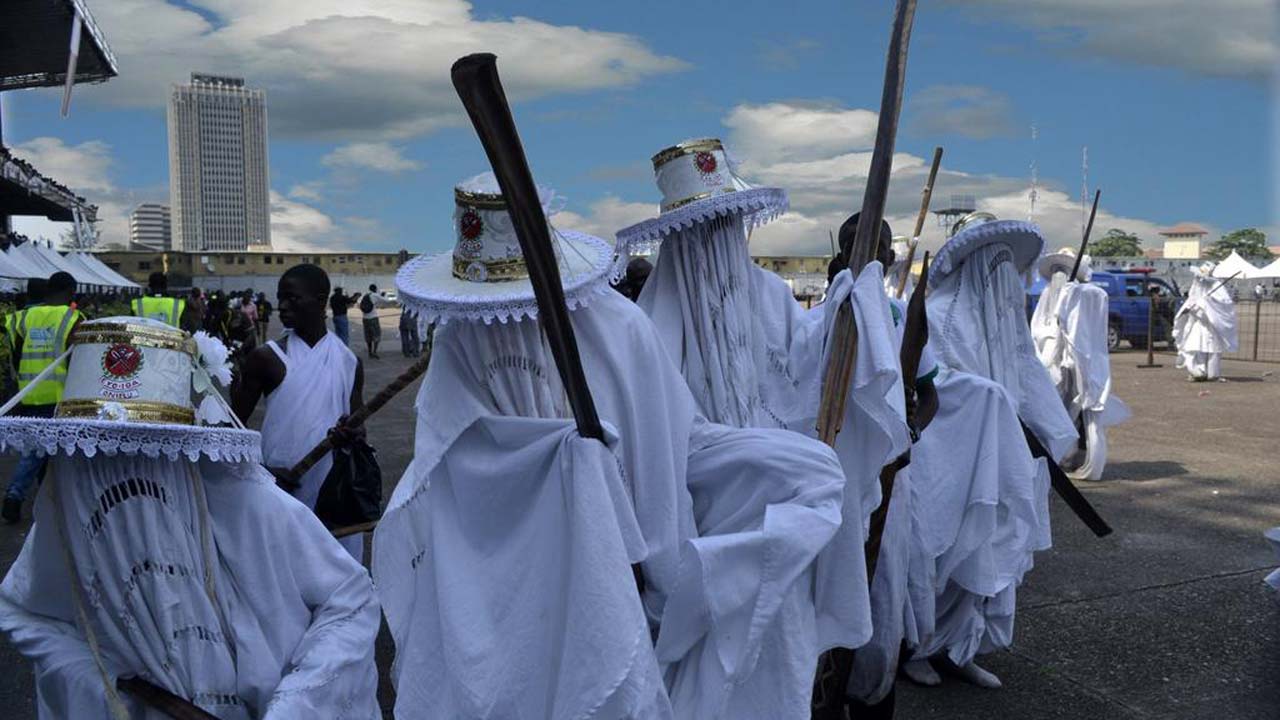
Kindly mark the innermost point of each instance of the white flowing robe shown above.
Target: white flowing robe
(731, 519)
(753, 357)
(1205, 327)
(291, 632)
(1070, 329)
(977, 327)
(316, 391)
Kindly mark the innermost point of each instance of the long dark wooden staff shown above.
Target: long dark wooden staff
(1084, 242)
(837, 665)
(158, 698)
(925, 196)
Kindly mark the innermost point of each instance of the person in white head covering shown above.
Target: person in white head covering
(1205, 326)
(754, 358)
(723, 523)
(978, 330)
(161, 550)
(1069, 326)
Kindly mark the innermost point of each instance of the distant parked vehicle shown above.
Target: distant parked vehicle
(1129, 293)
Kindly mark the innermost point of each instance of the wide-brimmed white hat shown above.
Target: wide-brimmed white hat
(1062, 261)
(699, 182)
(137, 386)
(1024, 240)
(484, 277)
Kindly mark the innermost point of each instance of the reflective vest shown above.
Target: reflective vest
(44, 330)
(166, 310)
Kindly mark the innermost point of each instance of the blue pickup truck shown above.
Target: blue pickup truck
(1130, 293)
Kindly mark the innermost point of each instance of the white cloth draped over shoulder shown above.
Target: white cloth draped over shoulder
(731, 520)
(1273, 537)
(279, 623)
(1069, 326)
(753, 357)
(1206, 323)
(316, 391)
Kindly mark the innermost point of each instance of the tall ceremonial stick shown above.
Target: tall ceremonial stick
(1224, 282)
(836, 666)
(158, 698)
(1065, 488)
(1084, 243)
(925, 196)
(358, 417)
(844, 340)
(475, 78)
(915, 335)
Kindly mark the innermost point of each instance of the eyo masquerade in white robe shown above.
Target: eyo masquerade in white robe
(316, 391)
(729, 522)
(269, 619)
(1205, 326)
(1069, 327)
(754, 358)
(977, 327)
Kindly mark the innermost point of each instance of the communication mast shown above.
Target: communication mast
(959, 206)
(1035, 174)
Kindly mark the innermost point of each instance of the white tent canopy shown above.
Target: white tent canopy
(99, 267)
(85, 274)
(1235, 265)
(82, 275)
(1270, 271)
(12, 269)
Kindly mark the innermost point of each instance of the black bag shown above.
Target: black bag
(366, 304)
(352, 492)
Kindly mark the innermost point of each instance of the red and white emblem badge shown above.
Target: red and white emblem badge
(122, 361)
(705, 162)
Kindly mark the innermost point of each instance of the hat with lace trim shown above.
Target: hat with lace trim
(979, 229)
(137, 386)
(484, 277)
(1062, 261)
(699, 182)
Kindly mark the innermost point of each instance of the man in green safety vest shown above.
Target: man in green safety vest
(39, 334)
(156, 306)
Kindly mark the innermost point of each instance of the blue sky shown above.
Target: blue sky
(367, 138)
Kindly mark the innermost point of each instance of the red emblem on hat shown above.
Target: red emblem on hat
(470, 225)
(121, 360)
(706, 162)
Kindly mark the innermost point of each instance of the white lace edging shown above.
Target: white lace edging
(431, 307)
(757, 206)
(89, 437)
(1023, 238)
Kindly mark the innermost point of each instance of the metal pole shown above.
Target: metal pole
(1151, 332)
(1257, 320)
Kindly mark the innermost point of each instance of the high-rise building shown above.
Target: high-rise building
(150, 227)
(218, 183)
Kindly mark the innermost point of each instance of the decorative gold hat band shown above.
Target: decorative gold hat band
(667, 207)
(665, 156)
(505, 270)
(136, 335)
(482, 201)
(136, 411)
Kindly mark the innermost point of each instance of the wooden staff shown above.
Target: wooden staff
(158, 698)
(925, 197)
(1084, 243)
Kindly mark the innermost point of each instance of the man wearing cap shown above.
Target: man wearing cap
(40, 335)
(162, 553)
(1205, 326)
(1069, 327)
(722, 523)
(156, 305)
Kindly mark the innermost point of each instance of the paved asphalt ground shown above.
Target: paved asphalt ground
(1166, 618)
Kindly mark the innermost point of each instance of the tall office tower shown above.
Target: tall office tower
(218, 183)
(150, 227)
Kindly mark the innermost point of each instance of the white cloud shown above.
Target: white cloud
(1211, 37)
(87, 170)
(774, 131)
(606, 217)
(347, 69)
(298, 227)
(969, 111)
(379, 156)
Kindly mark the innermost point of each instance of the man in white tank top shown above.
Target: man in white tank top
(311, 382)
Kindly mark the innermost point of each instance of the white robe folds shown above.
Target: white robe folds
(1069, 326)
(286, 632)
(754, 358)
(1205, 327)
(316, 391)
(731, 519)
(1273, 537)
